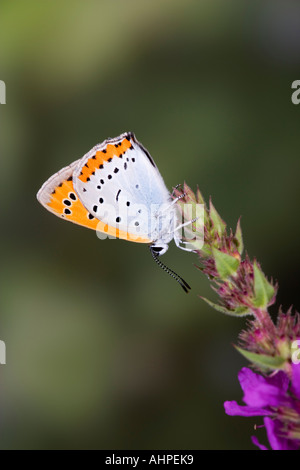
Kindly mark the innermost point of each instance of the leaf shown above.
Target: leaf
(262, 360)
(238, 312)
(219, 224)
(190, 196)
(206, 250)
(263, 290)
(226, 265)
(199, 196)
(239, 238)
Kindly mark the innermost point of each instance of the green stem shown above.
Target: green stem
(264, 318)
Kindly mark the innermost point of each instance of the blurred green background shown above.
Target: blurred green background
(104, 350)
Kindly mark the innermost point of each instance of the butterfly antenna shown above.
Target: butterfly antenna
(175, 276)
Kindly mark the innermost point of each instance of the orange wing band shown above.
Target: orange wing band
(102, 156)
(65, 203)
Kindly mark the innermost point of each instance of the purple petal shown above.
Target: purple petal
(274, 433)
(279, 380)
(260, 391)
(233, 409)
(248, 379)
(296, 380)
(256, 443)
(265, 395)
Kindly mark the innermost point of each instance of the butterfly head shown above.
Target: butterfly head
(159, 248)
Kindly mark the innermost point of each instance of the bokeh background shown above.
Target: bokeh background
(104, 350)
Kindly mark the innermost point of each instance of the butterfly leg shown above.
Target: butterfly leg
(176, 187)
(172, 203)
(178, 243)
(186, 223)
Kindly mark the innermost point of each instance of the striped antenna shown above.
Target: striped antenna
(175, 276)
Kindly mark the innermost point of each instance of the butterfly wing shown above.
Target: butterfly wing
(119, 182)
(59, 196)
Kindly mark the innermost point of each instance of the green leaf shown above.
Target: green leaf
(263, 290)
(199, 196)
(219, 224)
(262, 360)
(226, 265)
(190, 195)
(206, 250)
(239, 238)
(238, 312)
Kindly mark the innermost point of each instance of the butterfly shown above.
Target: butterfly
(117, 190)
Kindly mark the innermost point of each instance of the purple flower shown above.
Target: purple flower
(278, 400)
